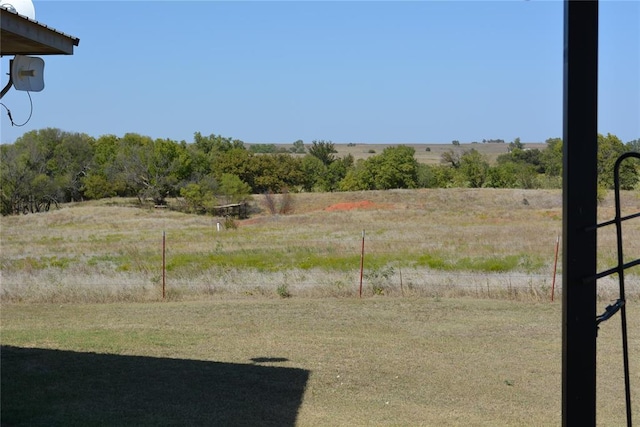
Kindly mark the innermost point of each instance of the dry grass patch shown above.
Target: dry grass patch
(429, 153)
(484, 242)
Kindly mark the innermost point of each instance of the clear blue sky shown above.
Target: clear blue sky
(276, 72)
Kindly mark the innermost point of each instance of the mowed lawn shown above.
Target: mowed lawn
(307, 362)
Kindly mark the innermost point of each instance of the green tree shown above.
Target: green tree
(98, 186)
(503, 175)
(330, 179)
(451, 157)
(359, 177)
(515, 145)
(233, 189)
(199, 197)
(443, 176)
(198, 162)
(398, 168)
(474, 167)
(102, 178)
(532, 157)
(425, 176)
(323, 150)
(130, 164)
(15, 178)
(275, 172)
(551, 157)
(164, 170)
(236, 161)
(194, 197)
(298, 147)
(215, 143)
(395, 167)
(71, 161)
(610, 148)
(151, 169)
(312, 172)
(44, 164)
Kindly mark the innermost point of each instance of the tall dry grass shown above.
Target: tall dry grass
(441, 242)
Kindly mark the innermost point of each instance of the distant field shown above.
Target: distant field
(425, 153)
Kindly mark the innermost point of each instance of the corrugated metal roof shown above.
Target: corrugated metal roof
(20, 35)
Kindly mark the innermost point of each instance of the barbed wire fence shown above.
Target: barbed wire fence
(397, 275)
(246, 266)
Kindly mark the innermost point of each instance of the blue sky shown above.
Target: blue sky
(359, 71)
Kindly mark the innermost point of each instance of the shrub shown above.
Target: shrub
(283, 291)
(286, 202)
(230, 223)
(284, 207)
(270, 202)
(377, 289)
(379, 278)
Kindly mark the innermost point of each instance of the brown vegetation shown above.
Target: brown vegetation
(483, 242)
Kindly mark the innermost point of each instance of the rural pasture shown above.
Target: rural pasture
(262, 323)
(431, 242)
(432, 153)
(424, 153)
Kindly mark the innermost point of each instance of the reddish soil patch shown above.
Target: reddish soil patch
(250, 221)
(348, 206)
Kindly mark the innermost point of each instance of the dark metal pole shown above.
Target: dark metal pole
(580, 148)
(9, 83)
(623, 309)
(555, 269)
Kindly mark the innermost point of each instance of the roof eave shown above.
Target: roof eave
(20, 35)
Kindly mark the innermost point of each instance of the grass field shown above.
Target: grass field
(431, 153)
(307, 362)
(420, 242)
(455, 326)
(424, 153)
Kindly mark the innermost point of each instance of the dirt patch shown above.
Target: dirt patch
(348, 206)
(250, 221)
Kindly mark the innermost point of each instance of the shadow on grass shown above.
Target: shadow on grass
(55, 388)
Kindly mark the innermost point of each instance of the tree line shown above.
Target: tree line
(51, 165)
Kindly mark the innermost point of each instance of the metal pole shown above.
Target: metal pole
(9, 83)
(555, 269)
(623, 309)
(580, 149)
(361, 263)
(164, 250)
